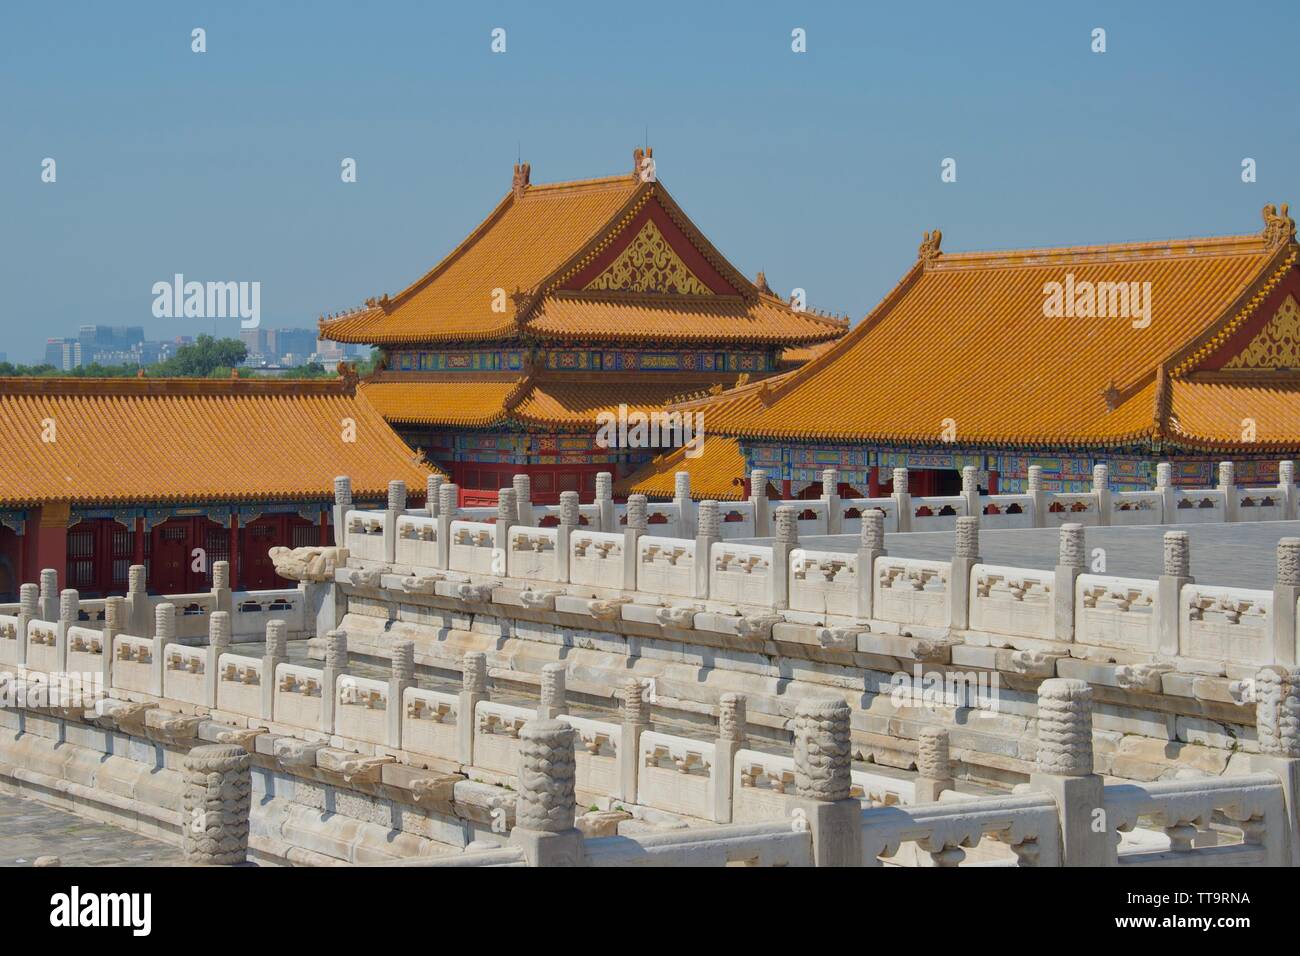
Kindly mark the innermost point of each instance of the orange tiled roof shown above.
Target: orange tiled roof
(964, 338)
(578, 400)
(466, 399)
(717, 474)
(167, 440)
(541, 237)
(1210, 413)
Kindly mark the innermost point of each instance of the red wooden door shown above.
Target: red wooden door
(169, 567)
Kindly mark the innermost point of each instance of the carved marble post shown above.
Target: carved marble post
(1101, 488)
(523, 488)
(605, 501)
(933, 764)
(685, 506)
(965, 556)
(1228, 485)
(1286, 591)
(786, 541)
(570, 518)
(902, 500)
(49, 595)
(822, 757)
(507, 515)
(396, 506)
(831, 496)
(1038, 499)
(635, 528)
(29, 609)
(400, 678)
(336, 665)
(218, 644)
(139, 612)
(114, 620)
(1070, 563)
(636, 720)
(217, 799)
(970, 491)
(275, 654)
(1286, 488)
(871, 545)
(164, 631)
(473, 688)
(1176, 574)
(1065, 770)
(708, 533)
(731, 738)
(432, 491)
(545, 812)
(448, 502)
(758, 497)
(1277, 726)
(69, 616)
(552, 696)
(1165, 485)
(342, 505)
(222, 598)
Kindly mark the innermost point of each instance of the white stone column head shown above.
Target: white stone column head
(636, 512)
(164, 620)
(1065, 727)
(403, 662)
(397, 496)
(523, 486)
(822, 749)
(968, 537)
(787, 526)
(635, 709)
(900, 481)
(708, 522)
(1100, 477)
(1164, 474)
(569, 509)
(135, 579)
(1072, 552)
(219, 628)
(682, 484)
(873, 530)
(969, 480)
(69, 606)
(547, 777)
(1288, 562)
(1178, 554)
(432, 485)
(1035, 480)
(29, 597)
(1227, 475)
(604, 486)
(221, 575)
(830, 481)
(1277, 711)
(758, 483)
(336, 649)
(277, 641)
(343, 490)
(1286, 473)
(114, 615)
(474, 674)
(933, 758)
(217, 798)
(448, 499)
(731, 717)
(552, 689)
(49, 582)
(507, 509)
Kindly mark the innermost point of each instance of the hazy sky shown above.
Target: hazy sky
(823, 168)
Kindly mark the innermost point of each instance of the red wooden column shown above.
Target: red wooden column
(324, 528)
(993, 482)
(52, 538)
(873, 482)
(234, 552)
(137, 543)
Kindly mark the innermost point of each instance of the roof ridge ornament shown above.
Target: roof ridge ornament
(1279, 227)
(761, 282)
(520, 182)
(928, 250)
(643, 164)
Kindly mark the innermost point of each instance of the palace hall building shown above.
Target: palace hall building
(569, 300)
(101, 474)
(1185, 351)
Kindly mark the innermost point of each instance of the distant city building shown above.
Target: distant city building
(63, 354)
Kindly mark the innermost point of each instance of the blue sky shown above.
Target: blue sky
(821, 168)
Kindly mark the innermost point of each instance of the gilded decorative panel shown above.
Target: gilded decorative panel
(649, 264)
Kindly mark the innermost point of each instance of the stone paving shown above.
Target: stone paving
(1241, 555)
(29, 829)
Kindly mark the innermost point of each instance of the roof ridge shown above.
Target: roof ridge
(1244, 244)
(77, 385)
